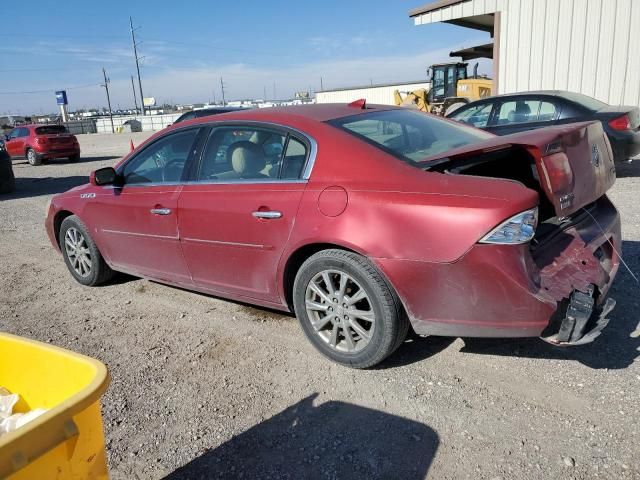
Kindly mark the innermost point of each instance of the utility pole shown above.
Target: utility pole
(135, 101)
(321, 86)
(274, 90)
(135, 55)
(106, 87)
(222, 88)
(264, 93)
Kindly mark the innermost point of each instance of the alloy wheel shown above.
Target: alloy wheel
(340, 311)
(78, 252)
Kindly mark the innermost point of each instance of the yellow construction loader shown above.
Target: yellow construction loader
(451, 88)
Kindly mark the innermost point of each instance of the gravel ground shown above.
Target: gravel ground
(205, 388)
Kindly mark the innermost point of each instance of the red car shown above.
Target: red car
(364, 221)
(38, 143)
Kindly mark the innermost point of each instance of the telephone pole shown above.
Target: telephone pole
(135, 101)
(321, 86)
(222, 88)
(106, 87)
(135, 55)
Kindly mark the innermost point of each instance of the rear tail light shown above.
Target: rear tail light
(41, 140)
(518, 229)
(558, 173)
(621, 123)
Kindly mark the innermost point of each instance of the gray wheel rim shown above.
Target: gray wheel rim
(340, 311)
(31, 157)
(78, 252)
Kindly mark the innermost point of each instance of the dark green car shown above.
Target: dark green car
(7, 180)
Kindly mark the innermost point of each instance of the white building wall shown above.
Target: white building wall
(382, 95)
(586, 46)
(149, 122)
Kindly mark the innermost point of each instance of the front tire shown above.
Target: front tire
(33, 158)
(81, 255)
(347, 309)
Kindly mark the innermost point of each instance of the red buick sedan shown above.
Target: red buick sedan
(364, 221)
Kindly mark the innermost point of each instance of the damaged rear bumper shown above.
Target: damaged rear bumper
(515, 290)
(582, 323)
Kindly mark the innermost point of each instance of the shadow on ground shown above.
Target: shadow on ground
(34, 187)
(56, 161)
(330, 440)
(628, 169)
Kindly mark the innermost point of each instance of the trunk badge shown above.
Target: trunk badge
(595, 155)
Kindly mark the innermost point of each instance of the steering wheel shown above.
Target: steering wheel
(177, 165)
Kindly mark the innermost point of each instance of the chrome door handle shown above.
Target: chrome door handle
(160, 211)
(267, 215)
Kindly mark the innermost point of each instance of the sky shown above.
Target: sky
(274, 47)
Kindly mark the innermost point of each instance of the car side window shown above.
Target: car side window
(525, 111)
(163, 161)
(476, 115)
(242, 153)
(548, 112)
(294, 159)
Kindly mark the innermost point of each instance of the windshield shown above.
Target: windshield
(51, 130)
(408, 134)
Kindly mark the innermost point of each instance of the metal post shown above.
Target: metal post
(135, 101)
(106, 87)
(222, 87)
(135, 55)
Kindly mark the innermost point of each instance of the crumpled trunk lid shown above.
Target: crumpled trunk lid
(573, 163)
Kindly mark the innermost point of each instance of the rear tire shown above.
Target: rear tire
(33, 158)
(74, 158)
(81, 255)
(347, 309)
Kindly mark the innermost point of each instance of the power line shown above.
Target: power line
(133, 87)
(106, 87)
(135, 54)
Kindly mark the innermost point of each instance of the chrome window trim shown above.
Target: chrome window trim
(306, 171)
(248, 181)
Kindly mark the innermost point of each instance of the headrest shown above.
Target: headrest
(247, 158)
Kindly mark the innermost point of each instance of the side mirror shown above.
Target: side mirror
(103, 176)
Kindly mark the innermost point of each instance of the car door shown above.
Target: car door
(15, 142)
(137, 222)
(519, 114)
(236, 216)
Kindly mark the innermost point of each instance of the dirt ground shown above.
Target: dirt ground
(206, 388)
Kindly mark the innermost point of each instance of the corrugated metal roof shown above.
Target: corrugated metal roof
(430, 7)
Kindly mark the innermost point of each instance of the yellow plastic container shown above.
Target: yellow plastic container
(66, 442)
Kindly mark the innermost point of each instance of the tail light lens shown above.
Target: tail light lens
(558, 173)
(41, 140)
(621, 123)
(518, 229)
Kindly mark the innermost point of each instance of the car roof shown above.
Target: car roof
(317, 112)
(551, 93)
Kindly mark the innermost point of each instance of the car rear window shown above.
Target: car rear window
(409, 135)
(51, 130)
